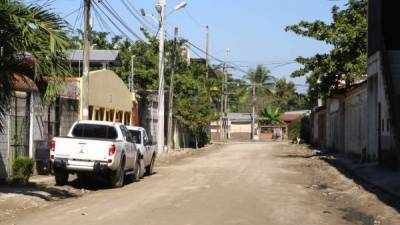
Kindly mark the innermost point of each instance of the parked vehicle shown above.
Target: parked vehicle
(145, 147)
(95, 147)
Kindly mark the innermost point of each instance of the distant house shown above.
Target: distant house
(237, 126)
(291, 116)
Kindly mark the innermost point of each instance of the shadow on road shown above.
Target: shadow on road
(39, 191)
(386, 198)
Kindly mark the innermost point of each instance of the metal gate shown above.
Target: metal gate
(19, 124)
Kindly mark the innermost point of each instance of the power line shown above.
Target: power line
(111, 21)
(118, 18)
(192, 18)
(137, 17)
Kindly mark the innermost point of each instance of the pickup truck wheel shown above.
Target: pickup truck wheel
(61, 177)
(150, 168)
(138, 171)
(117, 177)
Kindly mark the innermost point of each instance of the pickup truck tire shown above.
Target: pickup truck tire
(138, 171)
(117, 177)
(150, 167)
(61, 177)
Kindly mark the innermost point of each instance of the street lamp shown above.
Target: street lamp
(160, 8)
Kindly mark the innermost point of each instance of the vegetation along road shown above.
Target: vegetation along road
(242, 183)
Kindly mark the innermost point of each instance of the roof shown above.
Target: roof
(24, 83)
(95, 55)
(241, 117)
(294, 115)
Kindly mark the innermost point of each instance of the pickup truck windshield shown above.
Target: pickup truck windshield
(94, 131)
(136, 136)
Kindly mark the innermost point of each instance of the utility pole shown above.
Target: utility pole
(253, 111)
(171, 92)
(86, 65)
(221, 126)
(131, 75)
(207, 49)
(160, 122)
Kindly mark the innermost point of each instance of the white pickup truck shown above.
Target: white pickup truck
(146, 149)
(96, 148)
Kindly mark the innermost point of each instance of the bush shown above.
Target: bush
(294, 130)
(22, 168)
(300, 129)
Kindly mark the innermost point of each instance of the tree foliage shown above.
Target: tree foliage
(33, 41)
(270, 116)
(347, 34)
(286, 98)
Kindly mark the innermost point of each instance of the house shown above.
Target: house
(384, 82)
(17, 137)
(237, 126)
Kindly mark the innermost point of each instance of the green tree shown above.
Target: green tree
(32, 41)
(347, 60)
(193, 109)
(287, 98)
(270, 116)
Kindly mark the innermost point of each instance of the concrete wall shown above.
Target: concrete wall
(335, 124)
(4, 149)
(380, 137)
(355, 121)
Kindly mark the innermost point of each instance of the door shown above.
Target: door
(147, 148)
(128, 146)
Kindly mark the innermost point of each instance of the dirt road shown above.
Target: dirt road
(249, 183)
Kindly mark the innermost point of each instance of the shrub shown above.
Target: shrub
(294, 130)
(22, 168)
(300, 128)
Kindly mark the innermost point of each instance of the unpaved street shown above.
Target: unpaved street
(243, 183)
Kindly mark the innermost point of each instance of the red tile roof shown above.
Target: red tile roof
(24, 83)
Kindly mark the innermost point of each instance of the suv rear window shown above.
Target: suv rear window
(94, 131)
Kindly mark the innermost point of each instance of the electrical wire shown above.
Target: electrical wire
(100, 11)
(138, 16)
(117, 18)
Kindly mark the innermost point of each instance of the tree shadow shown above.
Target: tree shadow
(39, 191)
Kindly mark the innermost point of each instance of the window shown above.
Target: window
(94, 131)
(136, 136)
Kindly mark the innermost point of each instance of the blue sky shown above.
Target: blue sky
(253, 30)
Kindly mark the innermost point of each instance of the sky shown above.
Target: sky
(253, 30)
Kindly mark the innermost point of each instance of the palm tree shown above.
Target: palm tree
(262, 82)
(261, 79)
(32, 42)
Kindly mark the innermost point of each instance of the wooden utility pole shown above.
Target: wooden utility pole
(221, 126)
(207, 49)
(253, 111)
(86, 64)
(171, 92)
